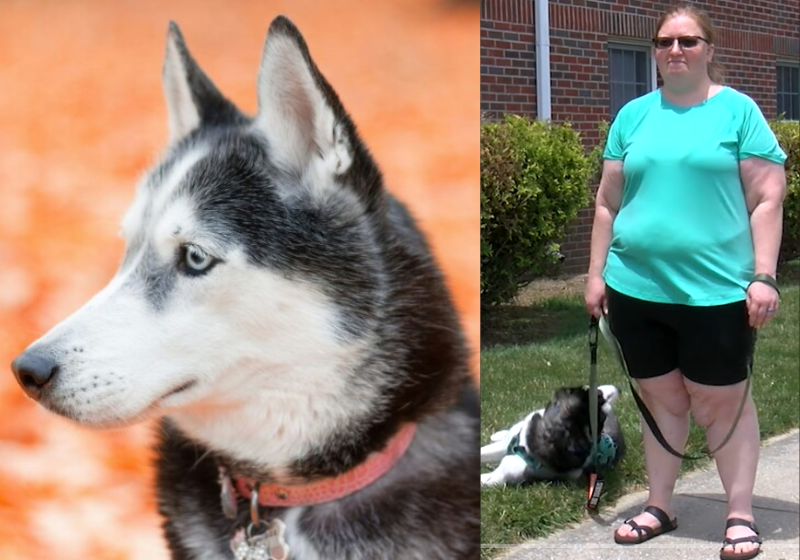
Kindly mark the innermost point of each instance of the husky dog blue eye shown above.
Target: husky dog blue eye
(193, 260)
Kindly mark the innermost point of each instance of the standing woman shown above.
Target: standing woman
(684, 251)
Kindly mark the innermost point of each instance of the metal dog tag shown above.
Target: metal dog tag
(268, 545)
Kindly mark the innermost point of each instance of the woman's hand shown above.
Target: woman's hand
(762, 304)
(594, 296)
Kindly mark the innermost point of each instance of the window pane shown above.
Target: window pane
(642, 67)
(614, 98)
(619, 99)
(788, 106)
(614, 57)
(788, 91)
(633, 91)
(630, 68)
(629, 74)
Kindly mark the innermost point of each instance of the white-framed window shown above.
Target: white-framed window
(631, 73)
(788, 90)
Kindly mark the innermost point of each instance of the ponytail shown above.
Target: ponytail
(716, 72)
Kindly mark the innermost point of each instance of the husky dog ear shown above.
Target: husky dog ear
(304, 123)
(192, 99)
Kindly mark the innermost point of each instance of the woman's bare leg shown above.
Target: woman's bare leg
(714, 408)
(668, 401)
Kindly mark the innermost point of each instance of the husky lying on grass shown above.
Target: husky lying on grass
(555, 443)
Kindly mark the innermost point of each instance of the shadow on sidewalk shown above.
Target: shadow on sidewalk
(701, 517)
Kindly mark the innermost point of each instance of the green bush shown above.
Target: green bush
(534, 179)
(596, 153)
(788, 134)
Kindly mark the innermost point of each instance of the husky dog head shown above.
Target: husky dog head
(270, 287)
(562, 435)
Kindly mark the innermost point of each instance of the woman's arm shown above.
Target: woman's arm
(764, 184)
(607, 202)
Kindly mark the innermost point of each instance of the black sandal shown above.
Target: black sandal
(645, 533)
(755, 539)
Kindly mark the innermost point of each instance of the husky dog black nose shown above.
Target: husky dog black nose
(33, 372)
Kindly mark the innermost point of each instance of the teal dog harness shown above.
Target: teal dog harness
(602, 456)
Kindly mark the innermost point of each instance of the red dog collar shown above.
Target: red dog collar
(333, 488)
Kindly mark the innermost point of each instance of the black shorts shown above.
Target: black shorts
(710, 345)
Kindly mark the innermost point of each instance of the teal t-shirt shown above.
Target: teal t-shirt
(682, 233)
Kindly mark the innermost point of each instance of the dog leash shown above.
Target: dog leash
(616, 351)
(596, 481)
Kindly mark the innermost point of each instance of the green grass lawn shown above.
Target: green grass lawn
(549, 350)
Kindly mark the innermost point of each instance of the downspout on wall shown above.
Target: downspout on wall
(542, 38)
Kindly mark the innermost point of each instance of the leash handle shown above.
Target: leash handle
(596, 484)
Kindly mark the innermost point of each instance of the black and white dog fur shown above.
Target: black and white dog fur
(558, 437)
(282, 314)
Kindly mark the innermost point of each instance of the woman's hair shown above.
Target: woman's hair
(715, 70)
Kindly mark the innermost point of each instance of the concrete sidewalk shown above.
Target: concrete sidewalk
(700, 508)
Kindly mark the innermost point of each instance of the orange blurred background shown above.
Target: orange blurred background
(82, 116)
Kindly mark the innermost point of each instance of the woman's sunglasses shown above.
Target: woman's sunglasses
(685, 42)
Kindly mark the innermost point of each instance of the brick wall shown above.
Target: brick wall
(752, 34)
(508, 68)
